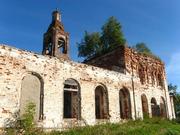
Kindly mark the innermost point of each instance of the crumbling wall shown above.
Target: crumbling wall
(16, 64)
(112, 61)
(151, 74)
(149, 69)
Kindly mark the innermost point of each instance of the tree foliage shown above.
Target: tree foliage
(112, 35)
(172, 88)
(142, 48)
(95, 43)
(90, 45)
(173, 91)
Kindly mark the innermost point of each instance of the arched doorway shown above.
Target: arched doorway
(72, 100)
(154, 108)
(101, 103)
(144, 106)
(125, 104)
(32, 92)
(163, 108)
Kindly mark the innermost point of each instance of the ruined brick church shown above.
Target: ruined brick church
(114, 87)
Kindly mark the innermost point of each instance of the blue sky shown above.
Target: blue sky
(155, 22)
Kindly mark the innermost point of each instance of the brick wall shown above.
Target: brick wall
(15, 64)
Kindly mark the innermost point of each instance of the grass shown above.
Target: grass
(154, 126)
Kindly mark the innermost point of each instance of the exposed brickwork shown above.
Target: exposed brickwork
(108, 91)
(114, 60)
(56, 40)
(150, 70)
(16, 64)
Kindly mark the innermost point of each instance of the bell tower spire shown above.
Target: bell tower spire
(56, 40)
(56, 16)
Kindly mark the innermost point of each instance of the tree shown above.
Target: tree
(95, 43)
(142, 48)
(173, 90)
(90, 45)
(112, 35)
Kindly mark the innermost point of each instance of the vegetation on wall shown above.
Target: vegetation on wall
(143, 49)
(111, 36)
(97, 43)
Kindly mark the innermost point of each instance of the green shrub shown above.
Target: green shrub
(25, 124)
(150, 126)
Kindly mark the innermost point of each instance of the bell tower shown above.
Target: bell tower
(56, 40)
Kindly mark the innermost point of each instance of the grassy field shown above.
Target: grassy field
(146, 127)
(153, 126)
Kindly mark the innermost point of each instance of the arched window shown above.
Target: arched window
(144, 106)
(101, 103)
(163, 108)
(72, 107)
(61, 45)
(154, 108)
(32, 92)
(125, 104)
(48, 47)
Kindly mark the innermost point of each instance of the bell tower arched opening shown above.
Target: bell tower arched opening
(56, 40)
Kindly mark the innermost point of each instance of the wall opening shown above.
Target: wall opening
(125, 104)
(160, 81)
(155, 108)
(32, 91)
(101, 103)
(144, 106)
(141, 72)
(72, 107)
(61, 45)
(163, 108)
(49, 47)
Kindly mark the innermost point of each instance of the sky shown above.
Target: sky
(154, 22)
